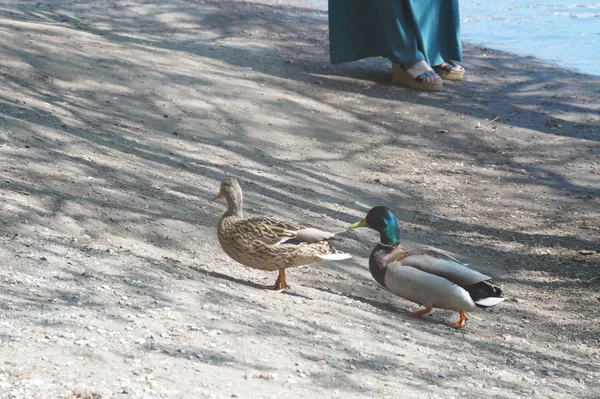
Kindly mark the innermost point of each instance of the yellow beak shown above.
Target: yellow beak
(360, 223)
(219, 197)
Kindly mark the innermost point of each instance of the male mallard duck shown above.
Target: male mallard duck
(428, 276)
(269, 243)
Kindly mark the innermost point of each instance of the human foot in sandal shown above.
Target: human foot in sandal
(450, 71)
(418, 76)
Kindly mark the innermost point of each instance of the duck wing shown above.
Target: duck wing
(272, 231)
(433, 277)
(443, 264)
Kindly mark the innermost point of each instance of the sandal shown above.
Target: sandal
(450, 71)
(403, 78)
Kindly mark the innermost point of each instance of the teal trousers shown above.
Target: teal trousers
(404, 31)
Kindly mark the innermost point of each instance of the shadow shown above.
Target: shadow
(118, 121)
(384, 307)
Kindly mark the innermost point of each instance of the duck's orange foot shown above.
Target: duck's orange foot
(420, 313)
(280, 284)
(462, 321)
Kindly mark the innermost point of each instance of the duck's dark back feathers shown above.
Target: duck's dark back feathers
(483, 290)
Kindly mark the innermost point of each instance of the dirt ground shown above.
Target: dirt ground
(118, 119)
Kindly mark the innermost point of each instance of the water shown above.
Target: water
(563, 32)
(558, 31)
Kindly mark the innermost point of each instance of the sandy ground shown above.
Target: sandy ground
(118, 119)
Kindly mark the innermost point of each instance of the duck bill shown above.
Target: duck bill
(219, 197)
(360, 223)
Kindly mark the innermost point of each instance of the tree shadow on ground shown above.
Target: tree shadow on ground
(126, 146)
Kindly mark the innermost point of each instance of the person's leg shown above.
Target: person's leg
(366, 28)
(437, 30)
(398, 29)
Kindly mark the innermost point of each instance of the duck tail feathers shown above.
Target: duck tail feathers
(336, 256)
(489, 302)
(485, 294)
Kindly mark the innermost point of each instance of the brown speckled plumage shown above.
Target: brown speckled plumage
(260, 242)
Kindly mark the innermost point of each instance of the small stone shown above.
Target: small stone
(140, 341)
(266, 376)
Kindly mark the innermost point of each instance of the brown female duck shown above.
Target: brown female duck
(269, 243)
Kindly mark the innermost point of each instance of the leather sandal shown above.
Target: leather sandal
(450, 71)
(403, 78)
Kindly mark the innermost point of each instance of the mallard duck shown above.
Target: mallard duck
(428, 276)
(269, 243)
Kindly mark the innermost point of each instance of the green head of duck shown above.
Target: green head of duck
(383, 221)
